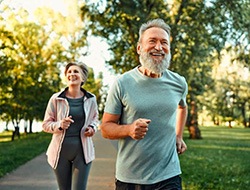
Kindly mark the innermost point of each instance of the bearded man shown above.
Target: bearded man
(146, 112)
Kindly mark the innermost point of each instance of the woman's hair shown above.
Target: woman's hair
(158, 23)
(83, 68)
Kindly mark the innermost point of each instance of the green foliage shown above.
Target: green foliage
(32, 53)
(18, 152)
(95, 86)
(200, 30)
(236, 15)
(118, 22)
(231, 100)
(219, 161)
(31, 70)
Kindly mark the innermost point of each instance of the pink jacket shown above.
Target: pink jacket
(57, 109)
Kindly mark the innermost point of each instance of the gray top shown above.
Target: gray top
(78, 115)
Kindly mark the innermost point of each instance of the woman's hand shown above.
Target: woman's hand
(65, 123)
(89, 132)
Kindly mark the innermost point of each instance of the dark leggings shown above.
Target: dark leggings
(72, 172)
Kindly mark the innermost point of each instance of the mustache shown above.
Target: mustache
(157, 51)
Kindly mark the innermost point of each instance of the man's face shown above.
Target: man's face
(154, 50)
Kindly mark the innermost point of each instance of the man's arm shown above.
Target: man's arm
(111, 128)
(180, 125)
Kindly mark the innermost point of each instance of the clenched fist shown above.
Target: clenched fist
(139, 128)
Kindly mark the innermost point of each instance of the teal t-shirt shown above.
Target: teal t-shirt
(134, 95)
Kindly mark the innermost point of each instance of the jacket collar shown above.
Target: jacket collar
(86, 93)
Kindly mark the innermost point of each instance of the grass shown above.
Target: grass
(17, 152)
(220, 161)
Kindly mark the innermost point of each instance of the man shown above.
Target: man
(146, 111)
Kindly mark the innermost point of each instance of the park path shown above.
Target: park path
(37, 174)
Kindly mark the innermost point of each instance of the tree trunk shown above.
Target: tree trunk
(25, 127)
(31, 122)
(194, 131)
(216, 120)
(6, 126)
(243, 113)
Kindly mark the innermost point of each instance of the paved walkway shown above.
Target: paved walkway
(37, 174)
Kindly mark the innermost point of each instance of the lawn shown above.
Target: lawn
(220, 161)
(17, 152)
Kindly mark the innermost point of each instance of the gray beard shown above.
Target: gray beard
(155, 66)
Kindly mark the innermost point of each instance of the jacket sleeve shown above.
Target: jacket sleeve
(94, 121)
(50, 123)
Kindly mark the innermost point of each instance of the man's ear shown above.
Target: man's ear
(138, 48)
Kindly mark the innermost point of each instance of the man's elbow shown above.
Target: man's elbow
(104, 132)
(104, 135)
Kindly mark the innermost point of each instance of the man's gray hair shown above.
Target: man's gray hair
(158, 23)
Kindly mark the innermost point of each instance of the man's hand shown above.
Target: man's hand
(180, 145)
(139, 128)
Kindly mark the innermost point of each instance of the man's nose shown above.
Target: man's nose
(158, 46)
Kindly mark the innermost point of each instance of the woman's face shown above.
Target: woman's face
(74, 75)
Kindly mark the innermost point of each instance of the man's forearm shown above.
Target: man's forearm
(181, 120)
(113, 131)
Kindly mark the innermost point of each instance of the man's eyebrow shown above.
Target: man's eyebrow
(154, 38)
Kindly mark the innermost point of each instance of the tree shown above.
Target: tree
(95, 86)
(230, 102)
(31, 68)
(199, 31)
(33, 53)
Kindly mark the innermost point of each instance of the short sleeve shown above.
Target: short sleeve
(114, 104)
(183, 102)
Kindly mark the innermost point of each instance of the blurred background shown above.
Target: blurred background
(209, 46)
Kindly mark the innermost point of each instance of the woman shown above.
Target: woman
(72, 117)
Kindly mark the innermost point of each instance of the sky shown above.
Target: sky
(97, 50)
